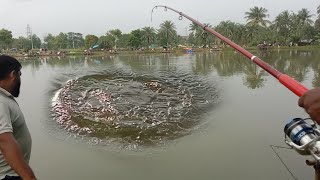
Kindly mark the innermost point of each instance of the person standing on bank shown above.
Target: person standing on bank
(15, 139)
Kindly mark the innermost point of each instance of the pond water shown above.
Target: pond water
(165, 116)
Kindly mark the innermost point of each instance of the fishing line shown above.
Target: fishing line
(273, 149)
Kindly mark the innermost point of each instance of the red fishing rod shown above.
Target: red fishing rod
(302, 136)
(284, 79)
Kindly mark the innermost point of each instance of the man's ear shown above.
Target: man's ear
(12, 74)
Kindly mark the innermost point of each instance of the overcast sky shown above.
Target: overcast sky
(99, 16)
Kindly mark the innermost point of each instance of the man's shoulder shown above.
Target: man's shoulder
(4, 98)
(9, 104)
(5, 101)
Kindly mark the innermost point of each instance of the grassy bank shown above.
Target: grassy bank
(80, 52)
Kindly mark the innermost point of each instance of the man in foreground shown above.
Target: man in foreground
(15, 139)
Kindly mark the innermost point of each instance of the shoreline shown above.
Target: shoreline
(67, 53)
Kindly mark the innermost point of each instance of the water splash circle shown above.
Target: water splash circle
(132, 109)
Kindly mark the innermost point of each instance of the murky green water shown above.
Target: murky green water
(193, 116)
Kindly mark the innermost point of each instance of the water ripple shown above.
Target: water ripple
(133, 109)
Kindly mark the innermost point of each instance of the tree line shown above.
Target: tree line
(286, 29)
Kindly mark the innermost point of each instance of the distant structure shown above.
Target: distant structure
(304, 42)
(29, 35)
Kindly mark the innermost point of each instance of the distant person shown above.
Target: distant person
(15, 139)
(310, 101)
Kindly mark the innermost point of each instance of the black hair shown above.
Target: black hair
(7, 65)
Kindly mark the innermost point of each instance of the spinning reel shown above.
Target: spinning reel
(303, 136)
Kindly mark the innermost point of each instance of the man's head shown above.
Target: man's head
(10, 74)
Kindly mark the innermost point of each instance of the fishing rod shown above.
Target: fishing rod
(284, 79)
(300, 135)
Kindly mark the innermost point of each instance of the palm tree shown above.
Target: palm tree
(148, 35)
(225, 28)
(232, 30)
(317, 25)
(317, 22)
(198, 34)
(296, 27)
(168, 31)
(254, 76)
(206, 38)
(305, 17)
(256, 16)
(300, 24)
(282, 24)
(194, 28)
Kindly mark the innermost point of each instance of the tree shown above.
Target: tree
(79, 41)
(194, 28)
(195, 31)
(49, 41)
(254, 77)
(36, 41)
(75, 40)
(234, 31)
(135, 39)
(206, 38)
(114, 35)
(167, 32)
(295, 33)
(305, 17)
(282, 24)
(106, 42)
(149, 34)
(124, 41)
(317, 22)
(90, 40)
(199, 36)
(256, 17)
(22, 43)
(61, 40)
(5, 38)
(301, 26)
(26, 43)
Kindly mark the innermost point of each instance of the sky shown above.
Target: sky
(98, 16)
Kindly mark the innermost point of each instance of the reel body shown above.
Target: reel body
(303, 137)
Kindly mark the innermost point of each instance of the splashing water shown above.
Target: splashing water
(130, 109)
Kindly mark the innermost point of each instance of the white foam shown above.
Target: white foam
(55, 98)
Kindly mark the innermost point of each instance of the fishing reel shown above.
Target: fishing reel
(303, 136)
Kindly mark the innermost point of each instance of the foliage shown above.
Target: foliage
(287, 28)
(149, 36)
(75, 40)
(124, 41)
(5, 38)
(90, 41)
(26, 44)
(136, 38)
(167, 33)
(106, 42)
(256, 17)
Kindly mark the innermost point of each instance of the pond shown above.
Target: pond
(164, 116)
